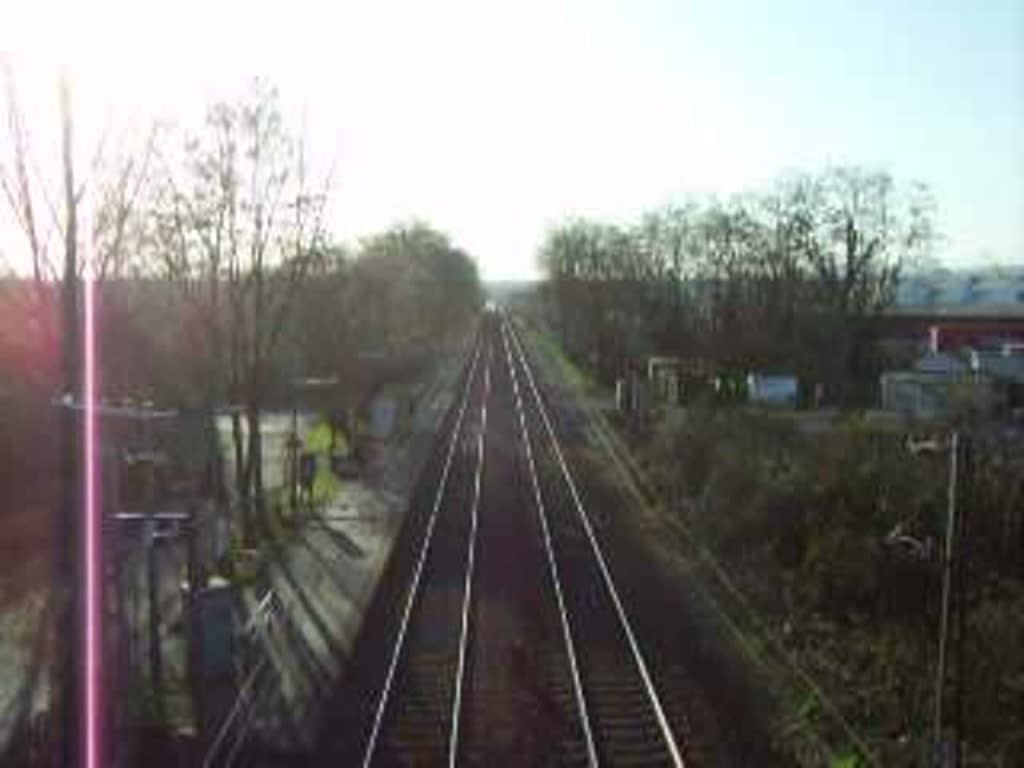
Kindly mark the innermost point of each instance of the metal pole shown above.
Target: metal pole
(947, 580)
(156, 671)
(196, 580)
(68, 576)
(294, 449)
(122, 647)
(961, 599)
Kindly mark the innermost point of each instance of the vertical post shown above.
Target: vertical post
(196, 581)
(965, 487)
(121, 647)
(193, 566)
(67, 531)
(293, 447)
(947, 583)
(156, 672)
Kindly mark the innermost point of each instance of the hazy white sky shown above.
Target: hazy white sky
(492, 121)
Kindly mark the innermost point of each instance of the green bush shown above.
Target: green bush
(804, 525)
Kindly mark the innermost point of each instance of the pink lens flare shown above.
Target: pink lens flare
(92, 527)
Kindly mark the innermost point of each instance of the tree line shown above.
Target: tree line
(218, 277)
(218, 282)
(788, 279)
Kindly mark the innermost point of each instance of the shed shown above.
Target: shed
(778, 390)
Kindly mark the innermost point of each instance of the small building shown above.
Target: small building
(632, 395)
(778, 390)
(676, 381)
(939, 386)
(1005, 366)
(664, 374)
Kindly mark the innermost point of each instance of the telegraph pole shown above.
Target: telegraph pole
(947, 588)
(949, 747)
(68, 575)
(965, 487)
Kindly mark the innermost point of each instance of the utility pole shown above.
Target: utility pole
(293, 452)
(948, 749)
(150, 460)
(947, 584)
(68, 576)
(965, 487)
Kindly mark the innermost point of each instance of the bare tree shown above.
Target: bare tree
(42, 189)
(859, 233)
(117, 179)
(239, 226)
(44, 214)
(16, 182)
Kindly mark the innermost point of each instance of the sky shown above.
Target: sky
(494, 121)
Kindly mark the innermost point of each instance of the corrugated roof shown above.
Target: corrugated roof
(953, 311)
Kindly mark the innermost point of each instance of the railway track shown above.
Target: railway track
(358, 717)
(417, 716)
(624, 707)
(502, 637)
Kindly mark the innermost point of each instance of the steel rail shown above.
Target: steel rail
(396, 653)
(467, 592)
(563, 612)
(638, 658)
